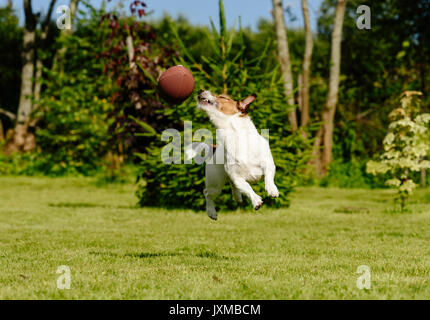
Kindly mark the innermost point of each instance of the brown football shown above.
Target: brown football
(176, 84)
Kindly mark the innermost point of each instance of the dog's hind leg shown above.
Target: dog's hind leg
(237, 195)
(245, 188)
(215, 179)
(269, 180)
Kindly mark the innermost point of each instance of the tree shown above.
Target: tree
(330, 107)
(10, 67)
(20, 141)
(306, 66)
(406, 145)
(72, 115)
(32, 67)
(284, 60)
(378, 65)
(41, 45)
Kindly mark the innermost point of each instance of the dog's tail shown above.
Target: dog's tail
(194, 150)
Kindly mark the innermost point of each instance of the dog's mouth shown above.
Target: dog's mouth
(204, 100)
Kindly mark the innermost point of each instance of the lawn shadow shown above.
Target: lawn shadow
(89, 205)
(351, 210)
(149, 255)
(211, 255)
(202, 254)
(144, 255)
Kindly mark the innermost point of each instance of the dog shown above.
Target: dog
(242, 155)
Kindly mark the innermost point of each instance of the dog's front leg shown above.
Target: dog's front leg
(215, 179)
(244, 187)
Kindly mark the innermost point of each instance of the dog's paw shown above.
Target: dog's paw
(257, 203)
(258, 206)
(213, 217)
(212, 213)
(272, 191)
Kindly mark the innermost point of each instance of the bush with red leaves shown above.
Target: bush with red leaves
(134, 58)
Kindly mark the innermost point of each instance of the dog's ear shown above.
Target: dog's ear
(245, 103)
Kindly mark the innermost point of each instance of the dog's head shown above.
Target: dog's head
(222, 103)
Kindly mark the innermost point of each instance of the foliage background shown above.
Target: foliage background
(86, 119)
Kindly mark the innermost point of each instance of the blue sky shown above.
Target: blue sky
(199, 11)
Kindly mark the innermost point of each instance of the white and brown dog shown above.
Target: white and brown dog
(242, 155)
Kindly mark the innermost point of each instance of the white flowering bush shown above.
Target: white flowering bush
(406, 146)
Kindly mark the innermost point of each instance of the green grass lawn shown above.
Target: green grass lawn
(118, 251)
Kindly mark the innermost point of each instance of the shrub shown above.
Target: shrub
(19, 164)
(227, 71)
(132, 56)
(349, 174)
(72, 120)
(406, 145)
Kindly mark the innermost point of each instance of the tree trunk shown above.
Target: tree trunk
(284, 59)
(25, 104)
(300, 93)
(330, 108)
(41, 46)
(306, 66)
(315, 162)
(1, 132)
(134, 96)
(8, 114)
